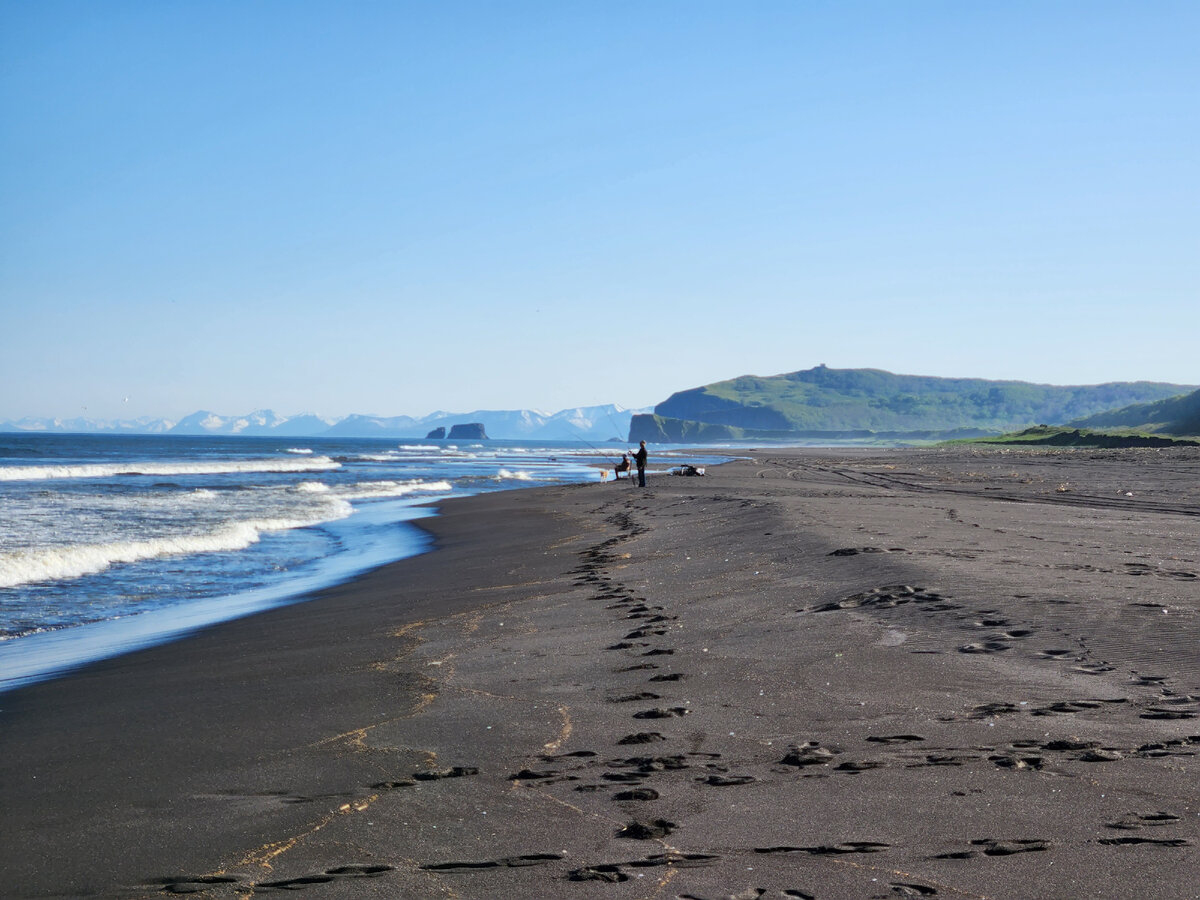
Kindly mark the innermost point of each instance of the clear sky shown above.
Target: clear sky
(392, 208)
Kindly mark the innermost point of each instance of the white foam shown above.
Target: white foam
(109, 470)
(302, 450)
(75, 560)
(312, 487)
(367, 490)
(506, 475)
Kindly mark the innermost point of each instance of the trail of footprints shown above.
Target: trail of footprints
(993, 633)
(629, 778)
(206, 883)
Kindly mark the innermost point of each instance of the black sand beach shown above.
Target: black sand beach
(829, 674)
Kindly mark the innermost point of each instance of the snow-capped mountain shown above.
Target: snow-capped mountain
(84, 425)
(261, 421)
(583, 423)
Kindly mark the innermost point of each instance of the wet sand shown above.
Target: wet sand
(812, 674)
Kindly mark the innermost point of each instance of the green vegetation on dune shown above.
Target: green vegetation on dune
(1175, 415)
(872, 402)
(1049, 436)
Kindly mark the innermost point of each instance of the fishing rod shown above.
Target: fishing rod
(607, 454)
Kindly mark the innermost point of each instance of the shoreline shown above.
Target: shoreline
(53, 653)
(817, 672)
(44, 655)
(187, 545)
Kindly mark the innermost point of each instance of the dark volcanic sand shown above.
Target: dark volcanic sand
(815, 674)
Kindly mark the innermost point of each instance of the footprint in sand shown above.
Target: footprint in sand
(895, 738)
(988, 710)
(452, 772)
(1056, 654)
(842, 849)
(1068, 707)
(912, 889)
(652, 763)
(661, 713)
(533, 775)
(647, 831)
(642, 737)
(1137, 821)
(637, 794)
(1016, 762)
(506, 862)
(329, 875)
(614, 872)
(574, 754)
(993, 847)
(992, 646)
(625, 777)
(726, 780)
(631, 698)
(1153, 842)
(810, 753)
(645, 632)
(195, 884)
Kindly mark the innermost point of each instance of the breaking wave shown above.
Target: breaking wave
(109, 470)
(75, 560)
(367, 490)
(506, 475)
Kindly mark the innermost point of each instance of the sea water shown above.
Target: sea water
(108, 543)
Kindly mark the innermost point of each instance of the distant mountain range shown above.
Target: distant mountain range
(585, 423)
(849, 404)
(818, 404)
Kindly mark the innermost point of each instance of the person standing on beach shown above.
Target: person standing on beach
(640, 459)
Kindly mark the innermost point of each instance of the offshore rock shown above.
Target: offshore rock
(469, 431)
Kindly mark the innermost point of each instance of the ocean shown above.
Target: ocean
(109, 543)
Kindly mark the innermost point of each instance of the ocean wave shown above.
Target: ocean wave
(109, 470)
(76, 560)
(367, 490)
(506, 475)
(312, 487)
(301, 450)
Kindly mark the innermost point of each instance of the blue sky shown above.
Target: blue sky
(391, 207)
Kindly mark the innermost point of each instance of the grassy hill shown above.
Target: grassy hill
(1049, 436)
(871, 402)
(1175, 415)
